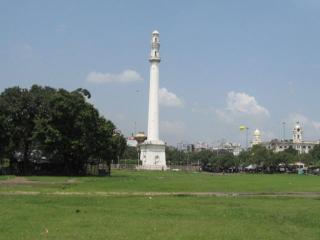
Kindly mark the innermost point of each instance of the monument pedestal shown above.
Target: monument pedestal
(153, 155)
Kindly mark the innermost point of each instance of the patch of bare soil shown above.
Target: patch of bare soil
(18, 181)
(26, 181)
(70, 181)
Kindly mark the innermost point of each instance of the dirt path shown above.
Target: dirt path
(17, 181)
(26, 181)
(174, 194)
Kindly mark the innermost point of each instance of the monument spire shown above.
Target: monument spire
(153, 155)
(153, 119)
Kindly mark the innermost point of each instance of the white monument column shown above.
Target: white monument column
(153, 155)
(153, 120)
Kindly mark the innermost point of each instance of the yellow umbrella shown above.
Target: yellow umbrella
(243, 127)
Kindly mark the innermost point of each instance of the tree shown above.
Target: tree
(61, 124)
(243, 159)
(4, 133)
(131, 153)
(75, 133)
(202, 157)
(223, 161)
(259, 155)
(315, 154)
(20, 108)
(174, 156)
(306, 159)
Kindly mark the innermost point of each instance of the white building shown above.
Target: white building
(185, 147)
(234, 148)
(256, 137)
(201, 146)
(296, 142)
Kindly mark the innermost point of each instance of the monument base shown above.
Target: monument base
(153, 155)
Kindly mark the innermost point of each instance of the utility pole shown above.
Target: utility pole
(247, 132)
(284, 130)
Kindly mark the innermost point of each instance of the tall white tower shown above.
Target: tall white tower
(297, 133)
(153, 154)
(153, 119)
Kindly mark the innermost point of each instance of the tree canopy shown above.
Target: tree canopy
(62, 125)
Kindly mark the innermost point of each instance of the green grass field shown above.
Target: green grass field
(59, 211)
(144, 181)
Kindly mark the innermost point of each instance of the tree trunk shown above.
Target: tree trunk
(26, 157)
(108, 170)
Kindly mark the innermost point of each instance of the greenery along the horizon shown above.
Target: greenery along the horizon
(258, 154)
(57, 124)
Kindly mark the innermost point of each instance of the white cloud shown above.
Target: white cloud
(240, 109)
(244, 103)
(169, 99)
(125, 77)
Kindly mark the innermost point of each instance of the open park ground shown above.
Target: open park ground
(160, 205)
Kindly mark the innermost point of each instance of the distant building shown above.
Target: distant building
(186, 147)
(296, 142)
(233, 148)
(201, 146)
(131, 142)
(256, 137)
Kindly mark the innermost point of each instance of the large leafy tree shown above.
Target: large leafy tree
(62, 124)
(20, 108)
(4, 137)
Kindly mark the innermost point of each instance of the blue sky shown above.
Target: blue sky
(224, 63)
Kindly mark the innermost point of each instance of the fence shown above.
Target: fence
(169, 167)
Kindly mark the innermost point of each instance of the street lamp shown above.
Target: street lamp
(247, 132)
(117, 132)
(245, 128)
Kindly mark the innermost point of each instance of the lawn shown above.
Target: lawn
(54, 216)
(145, 181)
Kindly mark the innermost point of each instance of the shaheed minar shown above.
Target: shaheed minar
(153, 155)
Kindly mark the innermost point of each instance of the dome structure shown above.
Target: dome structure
(155, 32)
(140, 137)
(257, 132)
(256, 137)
